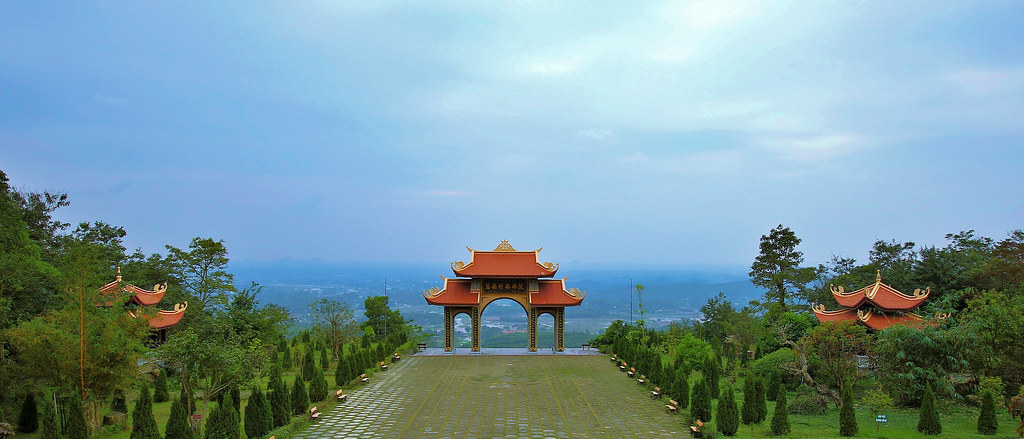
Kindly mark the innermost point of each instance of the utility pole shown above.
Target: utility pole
(630, 301)
(385, 308)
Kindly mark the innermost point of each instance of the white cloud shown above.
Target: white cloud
(814, 148)
(598, 134)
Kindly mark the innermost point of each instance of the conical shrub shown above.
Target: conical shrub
(286, 358)
(341, 371)
(160, 387)
(928, 423)
(258, 420)
(318, 387)
(178, 423)
(682, 388)
(712, 370)
(749, 411)
(300, 399)
(700, 403)
(847, 417)
(143, 422)
(223, 422)
(119, 403)
(780, 419)
(48, 417)
(325, 359)
(760, 405)
(728, 419)
(773, 385)
(307, 365)
(280, 400)
(76, 427)
(28, 420)
(987, 423)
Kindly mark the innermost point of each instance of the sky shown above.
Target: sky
(663, 133)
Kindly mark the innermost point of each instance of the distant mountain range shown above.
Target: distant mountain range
(669, 294)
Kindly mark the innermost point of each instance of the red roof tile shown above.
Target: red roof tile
(504, 261)
(553, 293)
(455, 292)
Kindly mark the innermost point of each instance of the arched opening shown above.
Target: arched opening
(545, 332)
(462, 331)
(504, 324)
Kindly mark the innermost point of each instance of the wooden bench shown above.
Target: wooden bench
(642, 379)
(395, 358)
(613, 357)
(656, 392)
(586, 346)
(341, 395)
(383, 366)
(695, 430)
(363, 378)
(314, 414)
(672, 406)
(421, 346)
(632, 372)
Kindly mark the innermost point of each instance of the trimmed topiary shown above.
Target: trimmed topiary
(772, 387)
(223, 422)
(280, 400)
(712, 371)
(286, 358)
(325, 359)
(780, 419)
(28, 420)
(700, 403)
(681, 392)
(307, 365)
(300, 399)
(728, 418)
(160, 387)
(178, 423)
(760, 406)
(987, 423)
(143, 422)
(847, 417)
(258, 420)
(928, 423)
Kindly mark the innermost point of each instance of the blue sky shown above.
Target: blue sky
(673, 133)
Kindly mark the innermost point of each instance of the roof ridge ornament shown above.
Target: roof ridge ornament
(118, 274)
(878, 276)
(504, 246)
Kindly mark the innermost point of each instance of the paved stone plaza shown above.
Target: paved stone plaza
(498, 396)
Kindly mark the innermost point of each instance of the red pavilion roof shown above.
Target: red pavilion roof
(455, 292)
(504, 261)
(876, 320)
(144, 297)
(166, 319)
(880, 296)
(553, 292)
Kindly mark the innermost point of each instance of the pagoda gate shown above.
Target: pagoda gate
(504, 273)
(158, 323)
(877, 306)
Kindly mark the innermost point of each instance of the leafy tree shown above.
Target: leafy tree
(202, 271)
(280, 400)
(700, 402)
(178, 423)
(777, 269)
(318, 387)
(909, 359)
(928, 422)
(718, 316)
(993, 320)
(300, 400)
(1005, 270)
(836, 345)
(987, 423)
(877, 401)
(728, 419)
(28, 420)
(160, 387)
(143, 422)
(335, 320)
(780, 419)
(691, 352)
(51, 429)
(258, 419)
(251, 321)
(847, 417)
(955, 266)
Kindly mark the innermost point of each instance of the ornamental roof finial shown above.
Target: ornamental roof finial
(119, 273)
(878, 276)
(504, 247)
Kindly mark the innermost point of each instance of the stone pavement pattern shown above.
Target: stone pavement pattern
(498, 397)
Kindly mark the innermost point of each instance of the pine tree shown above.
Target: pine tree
(307, 365)
(286, 358)
(223, 422)
(76, 428)
(774, 383)
(325, 359)
(178, 423)
(780, 419)
(728, 419)
(929, 423)
(760, 405)
(987, 423)
(280, 400)
(847, 418)
(49, 420)
(258, 420)
(143, 422)
(28, 421)
(318, 387)
(712, 373)
(119, 403)
(300, 400)
(682, 388)
(160, 387)
(700, 403)
(749, 413)
(341, 371)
